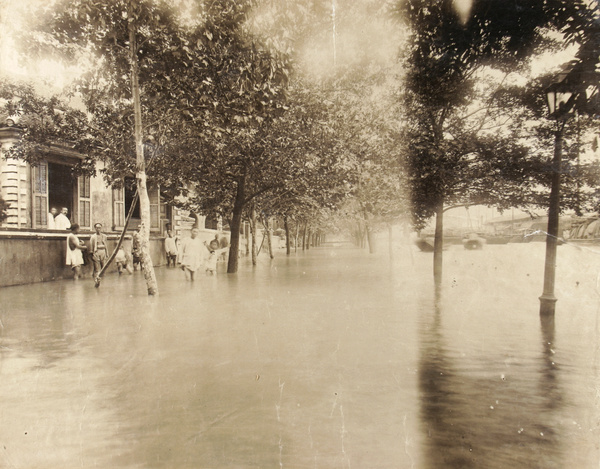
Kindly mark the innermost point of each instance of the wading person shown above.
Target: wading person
(213, 255)
(136, 250)
(193, 254)
(75, 248)
(99, 249)
(123, 262)
(171, 249)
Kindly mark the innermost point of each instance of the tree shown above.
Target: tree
(135, 47)
(228, 162)
(446, 52)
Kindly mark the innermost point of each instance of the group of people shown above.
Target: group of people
(194, 254)
(191, 253)
(98, 252)
(59, 221)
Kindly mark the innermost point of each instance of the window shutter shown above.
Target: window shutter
(154, 196)
(119, 207)
(40, 195)
(85, 203)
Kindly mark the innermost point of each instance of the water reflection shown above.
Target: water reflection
(473, 417)
(329, 359)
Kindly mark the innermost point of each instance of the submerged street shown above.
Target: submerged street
(330, 358)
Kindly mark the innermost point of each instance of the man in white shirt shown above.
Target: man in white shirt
(61, 222)
(51, 215)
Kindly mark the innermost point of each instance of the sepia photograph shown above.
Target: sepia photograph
(333, 234)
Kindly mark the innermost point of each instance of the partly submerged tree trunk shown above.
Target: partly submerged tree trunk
(296, 236)
(236, 221)
(438, 245)
(370, 242)
(390, 240)
(268, 234)
(253, 231)
(308, 239)
(304, 237)
(142, 189)
(286, 226)
(247, 237)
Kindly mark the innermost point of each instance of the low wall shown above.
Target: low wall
(30, 257)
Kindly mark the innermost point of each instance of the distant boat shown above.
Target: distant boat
(496, 239)
(584, 231)
(426, 242)
(473, 241)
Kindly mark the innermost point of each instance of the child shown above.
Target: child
(213, 254)
(123, 262)
(75, 246)
(136, 250)
(171, 249)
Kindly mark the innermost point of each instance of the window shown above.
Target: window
(130, 188)
(54, 186)
(154, 196)
(40, 195)
(118, 208)
(85, 202)
(62, 190)
(123, 200)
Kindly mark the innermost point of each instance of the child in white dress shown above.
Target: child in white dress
(213, 255)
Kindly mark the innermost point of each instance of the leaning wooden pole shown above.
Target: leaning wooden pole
(98, 278)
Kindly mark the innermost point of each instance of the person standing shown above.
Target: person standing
(193, 254)
(171, 248)
(51, 215)
(99, 249)
(136, 249)
(75, 248)
(62, 222)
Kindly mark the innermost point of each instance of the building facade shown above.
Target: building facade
(30, 250)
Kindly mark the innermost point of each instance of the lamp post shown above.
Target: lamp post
(559, 105)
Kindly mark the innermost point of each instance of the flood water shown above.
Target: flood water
(328, 359)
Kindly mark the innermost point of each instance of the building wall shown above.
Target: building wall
(14, 182)
(102, 203)
(34, 257)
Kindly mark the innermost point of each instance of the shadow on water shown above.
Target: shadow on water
(472, 418)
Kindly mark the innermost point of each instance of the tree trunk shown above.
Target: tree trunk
(253, 230)
(296, 236)
(247, 237)
(140, 162)
(269, 238)
(308, 239)
(236, 221)
(391, 240)
(286, 226)
(304, 237)
(438, 245)
(370, 240)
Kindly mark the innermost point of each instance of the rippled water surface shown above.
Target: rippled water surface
(327, 359)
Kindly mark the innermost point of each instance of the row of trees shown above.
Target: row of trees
(474, 137)
(207, 99)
